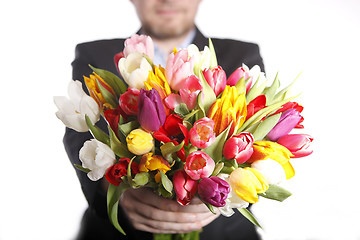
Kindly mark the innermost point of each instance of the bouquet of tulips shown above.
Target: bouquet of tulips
(186, 130)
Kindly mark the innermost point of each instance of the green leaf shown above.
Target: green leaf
(276, 192)
(282, 94)
(240, 85)
(126, 128)
(256, 90)
(113, 197)
(218, 167)
(169, 148)
(181, 109)
(209, 95)
(99, 134)
(114, 81)
(215, 149)
(81, 168)
(210, 207)
(213, 59)
(270, 92)
(108, 96)
(118, 147)
(141, 178)
(265, 127)
(247, 214)
(165, 181)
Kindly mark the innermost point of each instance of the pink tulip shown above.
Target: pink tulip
(202, 134)
(199, 165)
(128, 101)
(185, 187)
(216, 78)
(239, 147)
(244, 72)
(139, 43)
(178, 68)
(190, 91)
(298, 144)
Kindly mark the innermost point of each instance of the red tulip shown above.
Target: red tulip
(216, 78)
(239, 147)
(185, 187)
(118, 170)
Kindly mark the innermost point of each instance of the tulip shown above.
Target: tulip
(178, 68)
(139, 142)
(97, 157)
(202, 59)
(244, 72)
(151, 112)
(255, 105)
(199, 165)
(135, 69)
(292, 105)
(173, 131)
(264, 150)
(298, 144)
(232, 201)
(201, 134)
(239, 147)
(118, 170)
(185, 187)
(231, 107)
(190, 90)
(95, 93)
(216, 78)
(272, 171)
(214, 191)
(288, 120)
(247, 183)
(128, 101)
(141, 44)
(72, 111)
(112, 116)
(150, 162)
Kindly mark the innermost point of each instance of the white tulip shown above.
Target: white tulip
(272, 171)
(72, 111)
(232, 201)
(135, 69)
(97, 157)
(202, 59)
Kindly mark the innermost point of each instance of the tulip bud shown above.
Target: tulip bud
(139, 142)
(298, 144)
(247, 183)
(199, 165)
(201, 134)
(178, 68)
(185, 187)
(118, 170)
(214, 191)
(216, 78)
(288, 120)
(190, 91)
(239, 147)
(129, 101)
(139, 43)
(272, 171)
(151, 111)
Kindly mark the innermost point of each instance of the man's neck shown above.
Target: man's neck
(167, 45)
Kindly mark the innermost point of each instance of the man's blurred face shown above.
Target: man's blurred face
(166, 18)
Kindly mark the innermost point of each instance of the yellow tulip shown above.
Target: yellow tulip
(150, 162)
(95, 93)
(139, 142)
(271, 150)
(247, 183)
(231, 107)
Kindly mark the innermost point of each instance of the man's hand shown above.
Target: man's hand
(152, 213)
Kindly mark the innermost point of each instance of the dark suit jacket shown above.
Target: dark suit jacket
(95, 225)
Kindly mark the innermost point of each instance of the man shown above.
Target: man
(170, 24)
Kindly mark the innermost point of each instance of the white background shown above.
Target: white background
(40, 195)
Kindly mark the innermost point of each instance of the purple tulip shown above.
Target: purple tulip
(214, 190)
(151, 112)
(288, 120)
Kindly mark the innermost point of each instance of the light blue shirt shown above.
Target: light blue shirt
(160, 57)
